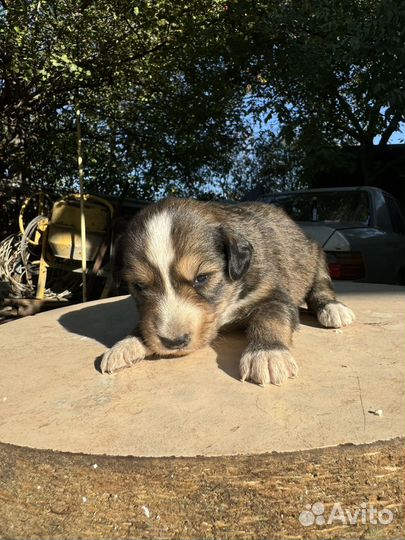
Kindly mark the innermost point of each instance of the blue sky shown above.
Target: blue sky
(272, 125)
(396, 138)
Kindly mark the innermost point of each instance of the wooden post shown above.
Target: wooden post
(82, 215)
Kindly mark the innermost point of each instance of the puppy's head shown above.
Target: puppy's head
(183, 266)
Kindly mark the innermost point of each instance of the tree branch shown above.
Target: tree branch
(373, 115)
(361, 136)
(392, 126)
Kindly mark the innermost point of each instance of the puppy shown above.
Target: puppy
(195, 267)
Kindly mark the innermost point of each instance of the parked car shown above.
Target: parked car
(361, 229)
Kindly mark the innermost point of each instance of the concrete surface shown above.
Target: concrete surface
(53, 397)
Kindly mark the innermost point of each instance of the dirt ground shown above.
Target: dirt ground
(61, 496)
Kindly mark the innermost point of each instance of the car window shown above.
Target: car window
(397, 220)
(331, 206)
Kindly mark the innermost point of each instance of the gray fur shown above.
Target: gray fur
(261, 269)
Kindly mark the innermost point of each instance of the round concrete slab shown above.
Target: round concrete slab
(52, 395)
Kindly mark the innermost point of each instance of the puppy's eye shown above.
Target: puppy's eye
(200, 280)
(139, 287)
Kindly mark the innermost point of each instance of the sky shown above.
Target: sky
(260, 125)
(396, 138)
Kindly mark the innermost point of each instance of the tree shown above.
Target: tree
(154, 85)
(165, 85)
(332, 72)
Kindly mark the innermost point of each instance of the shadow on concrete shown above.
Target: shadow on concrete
(97, 364)
(229, 345)
(308, 318)
(354, 287)
(110, 322)
(106, 323)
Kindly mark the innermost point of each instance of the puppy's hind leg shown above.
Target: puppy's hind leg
(322, 299)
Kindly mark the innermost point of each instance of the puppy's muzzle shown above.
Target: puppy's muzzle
(177, 343)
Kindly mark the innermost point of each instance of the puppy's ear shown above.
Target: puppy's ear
(238, 253)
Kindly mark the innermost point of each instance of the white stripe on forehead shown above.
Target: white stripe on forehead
(159, 247)
(175, 315)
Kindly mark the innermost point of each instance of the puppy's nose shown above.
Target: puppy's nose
(176, 343)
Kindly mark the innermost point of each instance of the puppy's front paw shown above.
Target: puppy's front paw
(335, 315)
(125, 353)
(268, 366)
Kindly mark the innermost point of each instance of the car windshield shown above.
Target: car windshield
(327, 206)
